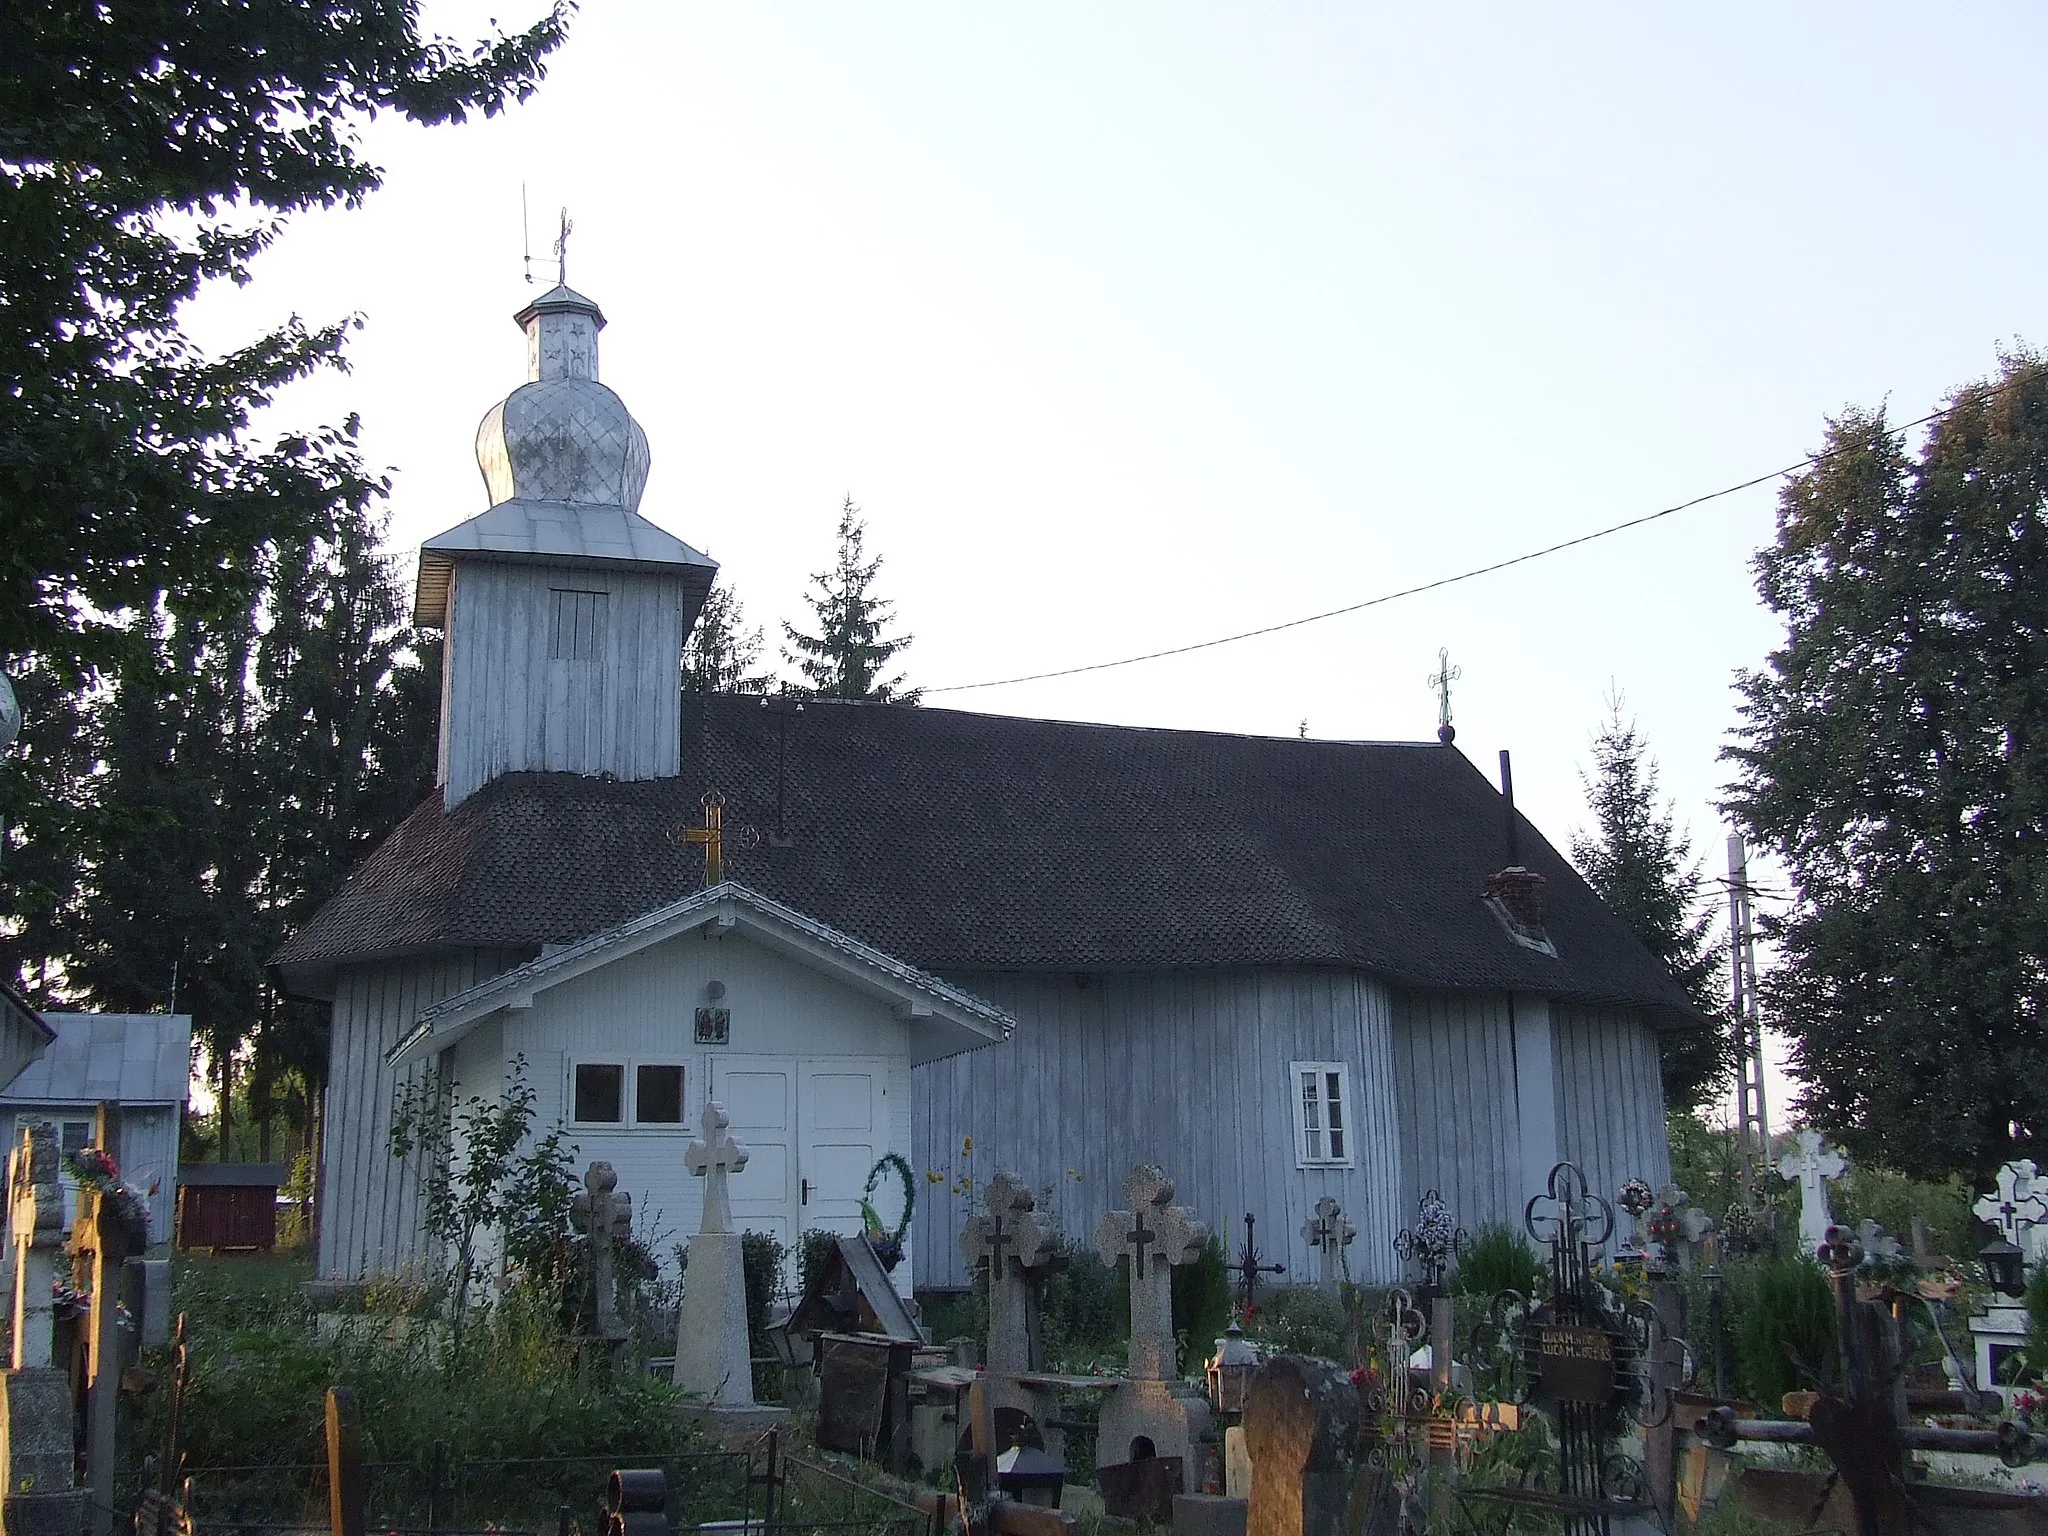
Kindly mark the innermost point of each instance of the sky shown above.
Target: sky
(1129, 326)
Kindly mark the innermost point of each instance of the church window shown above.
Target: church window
(577, 632)
(657, 1094)
(600, 1093)
(1322, 1114)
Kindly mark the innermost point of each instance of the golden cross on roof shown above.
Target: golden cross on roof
(711, 835)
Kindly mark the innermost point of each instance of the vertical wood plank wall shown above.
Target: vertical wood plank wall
(371, 1221)
(1186, 1069)
(509, 704)
(1455, 1063)
(1610, 1108)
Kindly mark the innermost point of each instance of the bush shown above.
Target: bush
(1497, 1260)
(1084, 1308)
(1892, 1201)
(1301, 1320)
(814, 1250)
(1201, 1301)
(1789, 1311)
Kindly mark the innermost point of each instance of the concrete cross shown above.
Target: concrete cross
(1155, 1235)
(2018, 1207)
(35, 1218)
(604, 1217)
(711, 1160)
(1008, 1237)
(1329, 1234)
(1811, 1167)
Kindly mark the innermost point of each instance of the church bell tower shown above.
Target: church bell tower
(563, 610)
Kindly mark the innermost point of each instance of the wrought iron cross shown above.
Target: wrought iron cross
(1441, 680)
(1248, 1268)
(562, 250)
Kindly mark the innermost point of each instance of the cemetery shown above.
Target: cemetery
(1626, 1362)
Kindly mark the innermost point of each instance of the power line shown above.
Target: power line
(1477, 571)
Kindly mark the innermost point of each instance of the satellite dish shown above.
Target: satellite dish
(10, 714)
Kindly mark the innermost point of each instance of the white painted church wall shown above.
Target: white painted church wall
(642, 1009)
(369, 1200)
(1188, 1069)
(509, 702)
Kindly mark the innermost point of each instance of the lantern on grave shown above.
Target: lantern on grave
(2005, 1267)
(1030, 1476)
(1231, 1370)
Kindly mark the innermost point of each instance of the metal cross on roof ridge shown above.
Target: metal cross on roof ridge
(713, 835)
(562, 250)
(1441, 680)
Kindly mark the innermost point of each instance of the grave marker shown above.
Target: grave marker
(604, 1217)
(1328, 1234)
(2018, 1207)
(36, 1448)
(1812, 1164)
(713, 1360)
(1301, 1430)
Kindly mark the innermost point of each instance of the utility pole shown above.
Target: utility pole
(1752, 1121)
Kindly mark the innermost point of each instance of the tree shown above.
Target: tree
(1643, 867)
(723, 651)
(1893, 754)
(846, 658)
(144, 151)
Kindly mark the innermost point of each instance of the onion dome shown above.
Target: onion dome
(562, 436)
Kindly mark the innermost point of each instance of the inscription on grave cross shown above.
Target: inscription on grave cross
(1154, 1235)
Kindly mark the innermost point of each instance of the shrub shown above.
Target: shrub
(1084, 1307)
(1789, 1311)
(1201, 1301)
(1301, 1320)
(1892, 1201)
(814, 1250)
(1496, 1260)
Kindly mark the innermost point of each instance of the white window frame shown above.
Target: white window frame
(1312, 1142)
(629, 1094)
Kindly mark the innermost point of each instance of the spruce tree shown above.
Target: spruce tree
(723, 652)
(1643, 867)
(849, 654)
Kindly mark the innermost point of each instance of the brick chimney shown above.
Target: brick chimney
(1516, 894)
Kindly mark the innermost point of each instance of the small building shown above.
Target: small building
(141, 1062)
(229, 1206)
(23, 1034)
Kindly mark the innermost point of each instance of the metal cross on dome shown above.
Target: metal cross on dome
(1441, 680)
(562, 251)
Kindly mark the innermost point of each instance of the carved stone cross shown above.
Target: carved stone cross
(1008, 1237)
(2018, 1207)
(35, 1218)
(605, 1217)
(1811, 1166)
(1329, 1234)
(711, 1160)
(1154, 1235)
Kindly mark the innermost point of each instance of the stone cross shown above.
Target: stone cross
(713, 1361)
(35, 1218)
(1328, 1233)
(1154, 1235)
(605, 1217)
(1007, 1236)
(2018, 1207)
(1812, 1166)
(1688, 1223)
(712, 1160)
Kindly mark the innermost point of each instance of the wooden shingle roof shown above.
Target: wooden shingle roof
(970, 843)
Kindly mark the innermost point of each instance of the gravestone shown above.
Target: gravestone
(1301, 1430)
(111, 1225)
(713, 1361)
(1812, 1164)
(1007, 1239)
(36, 1450)
(1678, 1227)
(1328, 1234)
(604, 1217)
(2018, 1207)
(1152, 1412)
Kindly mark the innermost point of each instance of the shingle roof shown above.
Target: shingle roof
(129, 1058)
(964, 842)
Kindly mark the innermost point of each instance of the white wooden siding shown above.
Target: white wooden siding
(508, 702)
(1186, 1069)
(1610, 1097)
(1461, 1135)
(369, 1216)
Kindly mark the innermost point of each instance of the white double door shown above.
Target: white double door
(812, 1130)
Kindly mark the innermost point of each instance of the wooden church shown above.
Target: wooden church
(1279, 968)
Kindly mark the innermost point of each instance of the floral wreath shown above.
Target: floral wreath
(892, 1163)
(94, 1168)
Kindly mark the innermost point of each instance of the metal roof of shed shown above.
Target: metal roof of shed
(124, 1058)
